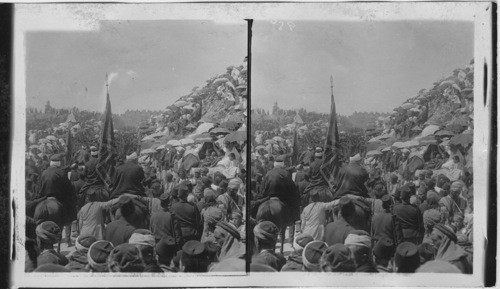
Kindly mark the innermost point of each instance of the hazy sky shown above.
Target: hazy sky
(376, 65)
(156, 61)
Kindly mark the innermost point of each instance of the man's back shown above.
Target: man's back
(119, 231)
(336, 232)
(128, 179)
(189, 219)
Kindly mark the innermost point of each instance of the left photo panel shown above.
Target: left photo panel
(130, 141)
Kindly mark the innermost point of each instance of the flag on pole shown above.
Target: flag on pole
(295, 147)
(331, 162)
(107, 148)
(69, 148)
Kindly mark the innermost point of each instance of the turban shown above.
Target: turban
(51, 268)
(83, 243)
(447, 231)
(384, 248)
(234, 184)
(438, 266)
(355, 158)
(94, 153)
(142, 239)
(98, 254)
(206, 181)
(213, 216)
(431, 217)
(229, 228)
(291, 266)
(125, 258)
(312, 254)
(457, 186)
(266, 231)
(337, 258)
(48, 232)
(362, 239)
(209, 192)
(132, 156)
(303, 239)
(407, 257)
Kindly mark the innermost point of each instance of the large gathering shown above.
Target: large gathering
(395, 198)
(167, 196)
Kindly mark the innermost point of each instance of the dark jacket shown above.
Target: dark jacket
(337, 231)
(189, 219)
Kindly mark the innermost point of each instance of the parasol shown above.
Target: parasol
(373, 153)
(260, 147)
(270, 141)
(461, 139)
(174, 143)
(186, 141)
(278, 138)
(160, 147)
(429, 130)
(230, 125)
(409, 144)
(444, 133)
(180, 103)
(236, 136)
(51, 137)
(219, 130)
(147, 151)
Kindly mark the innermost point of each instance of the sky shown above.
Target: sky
(375, 65)
(151, 63)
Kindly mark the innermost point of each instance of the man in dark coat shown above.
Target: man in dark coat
(188, 216)
(55, 183)
(163, 223)
(408, 216)
(120, 230)
(336, 232)
(384, 225)
(128, 179)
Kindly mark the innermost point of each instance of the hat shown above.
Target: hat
(311, 255)
(291, 266)
(164, 197)
(234, 184)
(256, 267)
(456, 186)
(337, 258)
(97, 255)
(55, 158)
(142, 239)
(386, 198)
(266, 231)
(125, 258)
(405, 192)
(83, 243)
(132, 156)
(407, 258)
(93, 148)
(426, 252)
(355, 158)
(51, 268)
(94, 153)
(303, 239)
(431, 217)
(438, 266)
(384, 248)
(358, 238)
(447, 231)
(280, 159)
(206, 181)
(229, 228)
(193, 248)
(48, 232)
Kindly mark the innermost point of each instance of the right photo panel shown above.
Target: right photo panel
(361, 149)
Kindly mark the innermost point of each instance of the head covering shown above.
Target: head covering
(456, 186)
(55, 160)
(83, 243)
(234, 184)
(355, 159)
(229, 228)
(337, 258)
(193, 248)
(254, 267)
(303, 239)
(358, 238)
(384, 248)
(407, 258)
(48, 232)
(266, 231)
(166, 246)
(438, 266)
(142, 239)
(94, 153)
(431, 217)
(206, 181)
(132, 156)
(125, 258)
(447, 231)
(213, 216)
(97, 255)
(426, 252)
(311, 255)
(51, 268)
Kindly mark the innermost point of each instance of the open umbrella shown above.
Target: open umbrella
(373, 153)
(160, 147)
(51, 137)
(34, 147)
(398, 144)
(174, 143)
(270, 141)
(186, 141)
(278, 138)
(430, 139)
(408, 105)
(220, 80)
(416, 128)
(147, 151)
(230, 125)
(219, 130)
(260, 147)
(181, 103)
(444, 133)
(409, 144)
(429, 130)
(386, 149)
(43, 140)
(191, 126)
(456, 128)
(236, 136)
(461, 139)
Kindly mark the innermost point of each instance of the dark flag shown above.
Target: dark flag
(295, 147)
(331, 162)
(107, 149)
(69, 148)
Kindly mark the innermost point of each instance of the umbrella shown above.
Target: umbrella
(460, 121)
(43, 140)
(415, 109)
(260, 147)
(219, 130)
(278, 138)
(270, 141)
(236, 118)
(236, 136)
(174, 143)
(51, 137)
(34, 146)
(444, 133)
(220, 80)
(181, 103)
(427, 140)
(461, 139)
(160, 147)
(191, 126)
(409, 144)
(147, 151)
(416, 128)
(230, 125)
(374, 140)
(456, 128)
(431, 129)
(204, 127)
(203, 139)
(398, 144)
(386, 149)
(407, 105)
(186, 141)
(373, 153)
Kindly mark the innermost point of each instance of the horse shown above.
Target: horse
(274, 210)
(50, 209)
